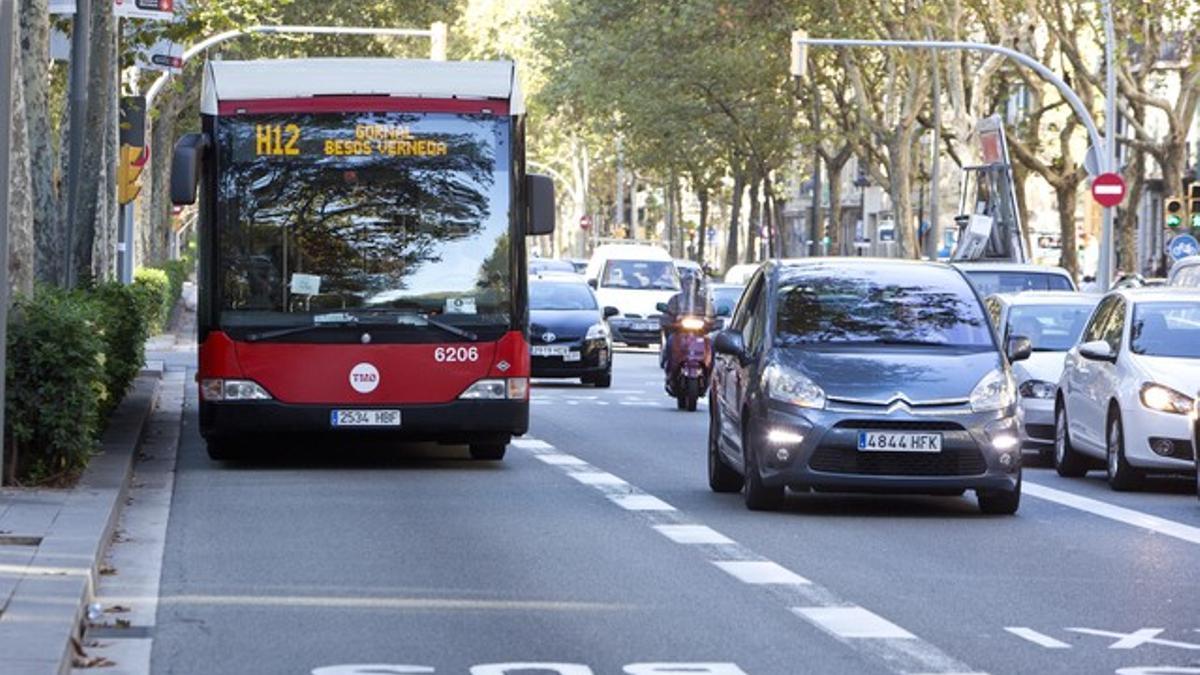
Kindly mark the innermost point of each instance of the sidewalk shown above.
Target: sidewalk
(52, 541)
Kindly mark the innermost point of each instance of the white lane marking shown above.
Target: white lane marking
(692, 534)
(853, 622)
(760, 572)
(596, 478)
(906, 654)
(1113, 512)
(531, 444)
(641, 502)
(1142, 636)
(561, 460)
(1039, 639)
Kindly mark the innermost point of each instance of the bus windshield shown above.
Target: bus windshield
(375, 213)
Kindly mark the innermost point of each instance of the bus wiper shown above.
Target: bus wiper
(319, 321)
(438, 323)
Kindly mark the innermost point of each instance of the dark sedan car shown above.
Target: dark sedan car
(568, 335)
(864, 375)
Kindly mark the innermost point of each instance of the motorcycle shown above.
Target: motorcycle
(689, 361)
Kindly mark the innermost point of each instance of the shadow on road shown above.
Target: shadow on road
(334, 453)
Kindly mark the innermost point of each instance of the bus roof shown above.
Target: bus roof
(273, 79)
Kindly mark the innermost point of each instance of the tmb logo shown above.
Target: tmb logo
(364, 378)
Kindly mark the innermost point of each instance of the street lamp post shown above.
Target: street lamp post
(800, 39)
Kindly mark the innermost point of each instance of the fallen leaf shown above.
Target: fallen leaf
(107, 570)
(116, 609)
(123, 623)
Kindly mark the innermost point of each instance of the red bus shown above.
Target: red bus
(362, 263)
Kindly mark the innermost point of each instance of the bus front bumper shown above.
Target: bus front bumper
(454, 422)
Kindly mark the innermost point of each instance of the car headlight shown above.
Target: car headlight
(1038, 389)
(789, 386)
(1165, 399)
(995, 391)
(597, 332)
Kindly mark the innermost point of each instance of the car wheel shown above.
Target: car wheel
(1121, 475)
(222, 449)
(759, 497)
(488, 451)
(721, 478)
(1067, 462)
(1000, 502)
(603, 381)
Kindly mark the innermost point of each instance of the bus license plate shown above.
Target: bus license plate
(365, 418)
(890, 441)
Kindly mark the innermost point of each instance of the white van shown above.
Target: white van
(634, 278)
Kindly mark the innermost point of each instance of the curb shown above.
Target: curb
(46, 612)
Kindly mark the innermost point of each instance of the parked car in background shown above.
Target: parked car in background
(1127, 389)
(568, 336)
(1004, 277)
(580, 264)
(1053, 322)
(740, 274)
(857, 374)
(538, 265)
(1185, 272)
(633, 278)
(725, 299)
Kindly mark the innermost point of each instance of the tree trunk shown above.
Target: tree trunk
(1020, 174)
(702, 235)
(731, 249)
(754, 225)
(35, 70)
(88, 212)
(837, 236)
(900, 186)
(775, 229)
(1127, 223)
(20, 224)
(154, 231)
(1065, 195)
(1174, 165)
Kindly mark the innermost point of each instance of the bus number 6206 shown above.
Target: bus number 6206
(456, 354)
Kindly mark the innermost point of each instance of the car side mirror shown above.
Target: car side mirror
(730, 342)
(1097, 350)
(1019, 348)
(592, 283)
(724, 312)
(540, 191)
(662, 307)
(185, 167)
(610, 312)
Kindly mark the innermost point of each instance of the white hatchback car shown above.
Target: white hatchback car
(1128, 388)
(1053, 322)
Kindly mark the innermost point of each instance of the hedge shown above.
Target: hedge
(72, 356)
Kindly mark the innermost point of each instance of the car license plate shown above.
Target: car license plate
(645, 325)
(365, 418)
(550, 350)
(898, 441)
(571, 356)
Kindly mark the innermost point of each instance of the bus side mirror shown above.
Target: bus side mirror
(540, 190)
(185, 168)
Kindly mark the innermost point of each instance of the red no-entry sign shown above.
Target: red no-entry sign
(1108, 189)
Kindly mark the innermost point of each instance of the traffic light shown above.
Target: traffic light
(1194, 205)
(132, 161)
(1173, 212)
(134, 152)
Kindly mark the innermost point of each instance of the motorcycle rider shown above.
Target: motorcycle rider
(691, 300)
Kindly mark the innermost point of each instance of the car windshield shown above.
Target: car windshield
(640, 274)
(989, 282)
(890, 306)
(391, 213)
(560, 296)
(725, 298)
(1166, 329)
(1050, 328)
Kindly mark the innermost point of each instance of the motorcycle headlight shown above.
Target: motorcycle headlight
(691, 323)
(1165, 399)
(597, 332)
(995, 391)
(1038, 389)
(789, 386)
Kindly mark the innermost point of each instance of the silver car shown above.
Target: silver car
(856, 374)
(1053, 321)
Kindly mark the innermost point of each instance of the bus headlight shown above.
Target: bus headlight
(513, 388)
(232, 390)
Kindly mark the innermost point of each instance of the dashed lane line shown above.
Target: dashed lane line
(858, 628)
(1039, 639)
(1113, 512)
